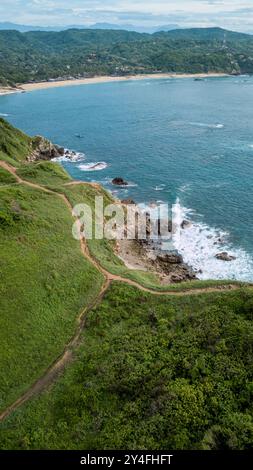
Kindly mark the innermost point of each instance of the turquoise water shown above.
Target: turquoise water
(173, 140)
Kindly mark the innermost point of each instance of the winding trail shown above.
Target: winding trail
(51, 374)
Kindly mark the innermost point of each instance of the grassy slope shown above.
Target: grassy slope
(44, 173)
(182, 367)
(45, 281)
(14, 144)
(6, 177)
(163, 372)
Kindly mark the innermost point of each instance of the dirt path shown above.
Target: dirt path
(51, 374)
(60, 363)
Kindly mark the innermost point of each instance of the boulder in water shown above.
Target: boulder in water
(186, 224)
(119, 182)
(61, 150)
(224, 256)
(127, 202)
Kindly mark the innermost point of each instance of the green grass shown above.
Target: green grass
(45, 283)
(152, 373)
(15, 146)
(44, 173)
(6, 177)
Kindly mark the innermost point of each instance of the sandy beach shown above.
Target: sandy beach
(9, 91)
(99, 79)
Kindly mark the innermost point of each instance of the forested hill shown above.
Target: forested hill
(40, 55)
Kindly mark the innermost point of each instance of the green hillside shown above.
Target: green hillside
(81, 358)
(15, 146)
(150, 374)
(39, 55)
(39, 305)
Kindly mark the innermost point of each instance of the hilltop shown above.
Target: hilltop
(42, 55)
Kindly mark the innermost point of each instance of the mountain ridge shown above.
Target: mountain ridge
(128, 27)
(75, 53)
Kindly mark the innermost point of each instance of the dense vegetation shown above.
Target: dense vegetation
(40, 55)
(152, 373)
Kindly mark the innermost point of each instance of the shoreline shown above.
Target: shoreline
(26, 87)
(105, 79)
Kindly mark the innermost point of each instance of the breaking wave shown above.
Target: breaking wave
(199, 244)
(97, 166)
(70, 156)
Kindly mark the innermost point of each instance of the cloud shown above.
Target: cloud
(234, 14)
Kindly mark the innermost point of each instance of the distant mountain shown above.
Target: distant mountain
(204, 34)
(168, 27)
(110, 26)
(25, 28)
(131, 27)
(43, 55)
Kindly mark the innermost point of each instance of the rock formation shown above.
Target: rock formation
(43, 149)
(224, 256)
(119, 182)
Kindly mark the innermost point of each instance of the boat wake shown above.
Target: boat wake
(203, 125)
(208, 126)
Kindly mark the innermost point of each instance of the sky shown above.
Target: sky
(231, 14)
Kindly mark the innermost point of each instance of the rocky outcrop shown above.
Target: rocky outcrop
(173, 266)
(43, 149)
(169, 267)
(128, 202)
(184, 274)
(224, 256)
(170, 258)
(186, 224)
(119, 182)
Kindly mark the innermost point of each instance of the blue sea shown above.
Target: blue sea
(177, 141)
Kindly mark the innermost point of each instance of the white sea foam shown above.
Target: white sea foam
(199, 244)
(197, 124)
(209, 126)
(4, 115)
(97, 166)
(160, 187)
(129, 185)
(185, 188)
(70, 156)
(105, 181)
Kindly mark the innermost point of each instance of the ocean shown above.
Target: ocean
(177, 141)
